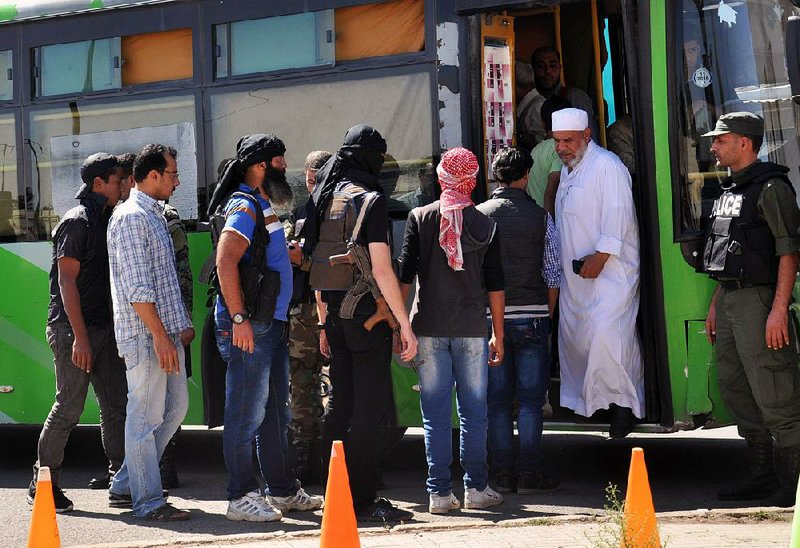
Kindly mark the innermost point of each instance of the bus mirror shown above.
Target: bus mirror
(793, 55)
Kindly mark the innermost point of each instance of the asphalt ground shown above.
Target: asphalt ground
(685, 471)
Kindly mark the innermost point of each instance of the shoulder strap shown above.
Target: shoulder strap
(368, 200)
(261, 236)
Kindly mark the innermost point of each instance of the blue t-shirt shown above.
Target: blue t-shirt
(240, 218)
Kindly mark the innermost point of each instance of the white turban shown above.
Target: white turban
(570, 119)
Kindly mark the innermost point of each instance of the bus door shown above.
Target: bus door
(596, 62)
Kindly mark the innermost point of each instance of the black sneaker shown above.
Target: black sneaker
(504, 481)
(100, 482)
(530, 483)
(62, 503)
(383, 511)
(126, 501)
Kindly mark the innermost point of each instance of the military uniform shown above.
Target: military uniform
(753, 223)
(305, 362)
(169, 474)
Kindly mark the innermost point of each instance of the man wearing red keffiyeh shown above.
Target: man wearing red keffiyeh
(453, 249)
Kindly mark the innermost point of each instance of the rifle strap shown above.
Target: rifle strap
(360, 287)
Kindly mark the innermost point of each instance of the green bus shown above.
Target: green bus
(79, 77)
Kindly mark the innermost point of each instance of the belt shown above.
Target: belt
(733, 285)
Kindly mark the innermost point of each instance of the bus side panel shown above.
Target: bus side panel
(686, 293)
(199, 250)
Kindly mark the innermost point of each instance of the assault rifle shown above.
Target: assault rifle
(357, 255)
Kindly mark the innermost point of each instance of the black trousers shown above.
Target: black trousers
(361, 401)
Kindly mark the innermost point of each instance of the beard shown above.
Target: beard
(277, 187)
(579, 154)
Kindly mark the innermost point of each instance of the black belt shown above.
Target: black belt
(733, 285)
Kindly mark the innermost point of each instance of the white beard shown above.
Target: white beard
(579, 154)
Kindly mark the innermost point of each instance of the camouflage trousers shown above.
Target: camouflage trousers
(305, 363)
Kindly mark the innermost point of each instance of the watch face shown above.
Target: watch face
(238, 318)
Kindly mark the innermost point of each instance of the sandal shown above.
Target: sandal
(167, 513)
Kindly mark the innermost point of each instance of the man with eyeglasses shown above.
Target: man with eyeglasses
(152, 328)
(546, 62)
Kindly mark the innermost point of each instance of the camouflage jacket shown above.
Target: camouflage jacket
(181, 245)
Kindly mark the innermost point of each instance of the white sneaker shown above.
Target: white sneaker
(299, 501)
(474, 499)
(252, 507)
(442, 504)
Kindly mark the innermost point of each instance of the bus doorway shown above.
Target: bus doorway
(584, 55)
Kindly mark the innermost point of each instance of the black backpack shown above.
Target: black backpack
(260, 285)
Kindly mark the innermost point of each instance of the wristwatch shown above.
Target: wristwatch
(238, 318)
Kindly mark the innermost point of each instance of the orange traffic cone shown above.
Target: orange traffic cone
(640, 528)
(44, 527)
(339, 527)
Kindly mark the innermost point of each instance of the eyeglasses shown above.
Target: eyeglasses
(173, 174)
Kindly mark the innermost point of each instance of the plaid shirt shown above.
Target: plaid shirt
(551, 266)
(142, 264)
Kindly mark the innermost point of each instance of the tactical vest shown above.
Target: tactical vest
(739, 244)
(334, 233)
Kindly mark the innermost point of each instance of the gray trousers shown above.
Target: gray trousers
(760, 386)
(110, 387)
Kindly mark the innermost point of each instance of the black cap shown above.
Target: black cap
(742, 123)
(96, 165)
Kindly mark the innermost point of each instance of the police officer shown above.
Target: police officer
(751, 249)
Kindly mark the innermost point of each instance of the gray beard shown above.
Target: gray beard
(572, 164)
(277, 187)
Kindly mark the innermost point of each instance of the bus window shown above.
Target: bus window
(729, 57)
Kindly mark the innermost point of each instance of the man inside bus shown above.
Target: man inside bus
(545, 173)
(600, 357)
(361, 403)
(454, 251)
(255, 344)
(152, 328)
(751, 249)
(546, 63)
(79, 327)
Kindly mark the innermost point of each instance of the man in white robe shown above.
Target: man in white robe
(601, 362)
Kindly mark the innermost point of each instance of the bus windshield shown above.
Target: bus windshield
(731, 56)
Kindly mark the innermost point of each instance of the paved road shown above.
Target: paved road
(685, 471)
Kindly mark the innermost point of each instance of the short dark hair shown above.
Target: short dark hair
(511, 164)
(316, 159)
(126, 163)
(152, 156)
(551, 105)
(541, 51)
(757, 141)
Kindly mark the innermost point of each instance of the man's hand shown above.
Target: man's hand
(295, 253)
(496, 351)
(167, 354)
(593, 265)
(187, 336)
(324, 347)
(409, 343)
(82, 353)
(711, 323)
(777, 334)
(243, 337)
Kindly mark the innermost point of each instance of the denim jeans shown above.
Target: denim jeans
(257, 409)
(157, 403)
(72, 384)
(524, 374)
(444, 362)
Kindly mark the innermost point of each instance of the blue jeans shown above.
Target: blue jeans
(157, 403)
(444, 362)
(524, 374)
(257, 409)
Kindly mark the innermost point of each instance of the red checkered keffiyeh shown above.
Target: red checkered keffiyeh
(457, 172)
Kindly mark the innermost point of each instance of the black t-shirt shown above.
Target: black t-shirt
(81, 235)
(374, 229)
